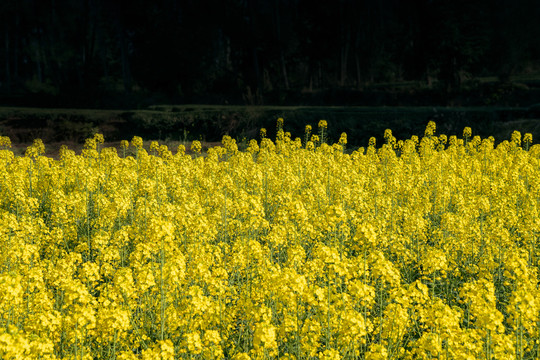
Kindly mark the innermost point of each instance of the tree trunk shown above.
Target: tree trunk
(281, 53)
(256, 67)
(284, 71)
(254, 44)
(16, 49)
(358, 72)
(126, 72)
(228, 52)
(8, 70)
(39, 70)
(319, 75)
(449, 73)
(345, 44)
(344, 58)
(310, 74)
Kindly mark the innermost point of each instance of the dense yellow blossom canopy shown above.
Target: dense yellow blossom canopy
(293, 249)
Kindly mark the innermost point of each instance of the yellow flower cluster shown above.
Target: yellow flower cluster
(420, 249)
(5, 141)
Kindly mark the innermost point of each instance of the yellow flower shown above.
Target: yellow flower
(377, 352)
(181, 149)
(98, 138)
(36, 149)
(241, 356)
(163, 350)
(330, 354)
(273, 252)
(5, 141)
(90, 144)
(154, 146)
(343, 139)
(253, 147)
(443, 139)
(194, 344)
(280, 123)
(167, 349)
(211, 337)
(196, 146)
(137, 142)
(516, 137)
(430, 128)
(264, 338)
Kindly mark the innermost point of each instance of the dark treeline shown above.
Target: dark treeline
(103, 52)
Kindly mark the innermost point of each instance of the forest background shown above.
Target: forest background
(456, 62)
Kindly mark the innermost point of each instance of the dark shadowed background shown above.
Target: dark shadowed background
(129, 55)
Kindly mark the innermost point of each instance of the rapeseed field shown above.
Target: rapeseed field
(425, 248)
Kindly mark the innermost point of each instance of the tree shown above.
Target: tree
(459, 37)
